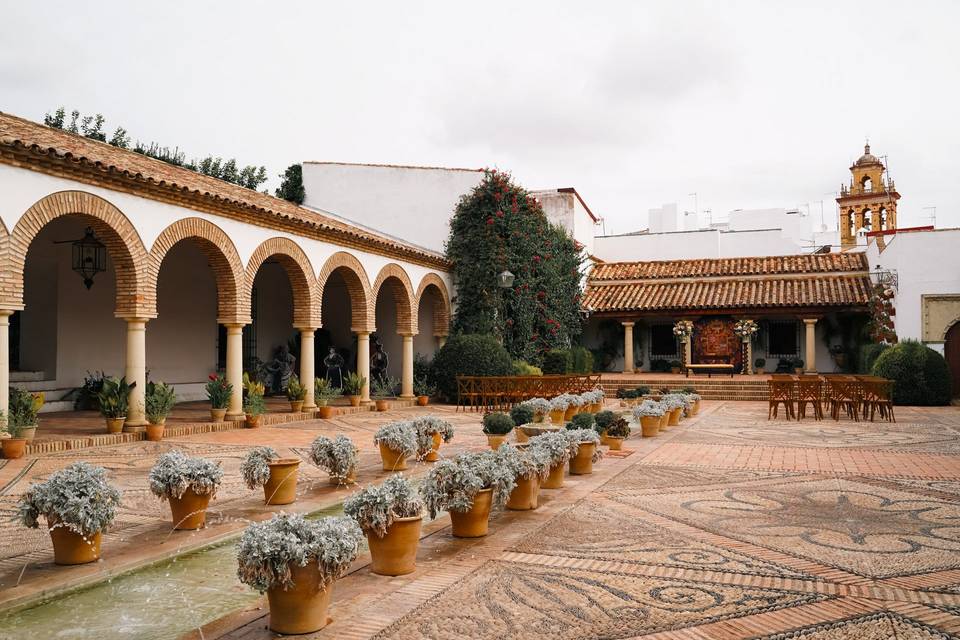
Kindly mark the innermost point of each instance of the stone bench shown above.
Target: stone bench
(710, 369)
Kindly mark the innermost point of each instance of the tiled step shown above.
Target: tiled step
(708, 388)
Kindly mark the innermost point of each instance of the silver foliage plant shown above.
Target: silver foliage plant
(452, 485)
(255, 468)
(375, 507)
(540, 406)
(399, 436)
(649, 409)
(525, 463)
(674, 401)
(175, 472)
(556, 446)
(338, 456)
(268, 550)
(78, 497)
(584, 436)
(425, 427)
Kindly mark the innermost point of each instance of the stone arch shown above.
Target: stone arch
(398, 283)
(306, 300)
(233, 297)
(441, 313)
(362, 304)
(111, 226)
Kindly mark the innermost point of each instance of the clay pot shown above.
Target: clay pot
(218, 415)
(759, 371)
(526, 495)
(325, 412)
(395, 554)
(303, 607)
(354, 401)
(649, 426)
(664, 421)
(189, 510)
(28, 433)
(582, 463)
(155, 432)
(569, 413)
(556, 416)
(252, 422)
(675, 370)
(603, 438)
(13, 448)
(392, 460)
(555, 479)
(296, 406)
(351, 478)
(115, 425)
(70, 547)
(475, 522)
(382, 405)
(281, 487)
(495, 440)
(521, 435)
(675, 416)
(422, 401)
(434, 453)
(615, 444)
(696, 408)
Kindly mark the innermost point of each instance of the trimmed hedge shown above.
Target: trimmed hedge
(868, 356)
(920, 374)
(557, 361)
(581, 360)
(469, 355)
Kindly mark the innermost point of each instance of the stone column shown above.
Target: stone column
(627, 347)
(406, 377)
(5, 360)
(810, 361)
(307, 367)
(136, 372)
(234, 371)
(363, 363)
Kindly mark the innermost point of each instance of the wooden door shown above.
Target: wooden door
(952, 352)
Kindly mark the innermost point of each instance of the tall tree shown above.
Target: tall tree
(291, 184)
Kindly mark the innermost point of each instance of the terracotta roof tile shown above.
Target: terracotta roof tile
(767, 265)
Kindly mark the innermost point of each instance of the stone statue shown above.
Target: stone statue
(334, 363)
(276, 373)
(379, 360)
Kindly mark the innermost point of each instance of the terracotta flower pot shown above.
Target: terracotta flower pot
(675, 370)
(615, 444)
(303, 607)
(13, 448)
(218, 415)
(422, 401)
(495, 441)
(475, 522)
(70, 547)
(189, 510)
(582, 463)
(569, 413)
(556, 416)
(155, 432)
(28, 433)
(664, 421)
(649, 426)
(555, 479)
(526, 495)
(326, 412)
(339, 481)
(252, 422)
(115, 425)
(296, 406)
(392, 460)
(603, 438)
(382, 405)
(696, 408)
(354, 401)
(281, 487)
(759, 371)
(395, 554)
(434, 453)
(521, 435)
(675, 416)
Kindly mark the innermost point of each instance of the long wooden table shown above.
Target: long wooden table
(492, 393)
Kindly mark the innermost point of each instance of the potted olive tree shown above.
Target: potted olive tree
(189, 484)
(79, 504)
(295, 561)
(521, 415)
(263, 467)
(296, 393)
(649, 414)
(397, 442)
(114, 401)
(323, 394)
(159, 400)
(558, 448)
(218, 392)
(588, 451)
(529, 467)
(353, 384)
(497, 426)
(382, 389)
(253, 403)
(431, 433)
(467, 487)
(338, 456)
(390, 515)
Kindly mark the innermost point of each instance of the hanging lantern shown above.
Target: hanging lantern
(505, 279)
(89, 257)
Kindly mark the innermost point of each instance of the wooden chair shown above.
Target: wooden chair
(878, 398)
(780, 391)
(809, 390)
(845, 393)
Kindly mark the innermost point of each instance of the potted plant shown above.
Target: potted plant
(617, 432)
(797, 365)
(602, 421)
(582, 421)
(323, 394)
(79, 504)
(558, 409)
(295, 561)
(467, 487)
(497, 426)
(158, 400)
(253, 403)
(397, 442)
(574, 402)
(675, 366)
(649, 414)
(540, 408)
(11, 440)
(189, 484)
(423, 390)
(114, 399)
(695, 399)
(390, 515)
(674, 403)
(353, 384)
(263, 467)
(22, 412)
(588, 451)
(759, 364)
(431, 433)
(521, 414)
(382, 389)
(296, 393)
(529, 467)
(557, 447)
(338, 456)
(218, 392)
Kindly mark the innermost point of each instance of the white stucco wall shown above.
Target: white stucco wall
(565, 210)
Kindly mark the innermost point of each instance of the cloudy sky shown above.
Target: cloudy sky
(747, 104)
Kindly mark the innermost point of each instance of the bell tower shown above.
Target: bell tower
(869, 202)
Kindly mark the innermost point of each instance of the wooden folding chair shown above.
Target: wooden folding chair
(845, 393)
(809, 390)
(780, 391)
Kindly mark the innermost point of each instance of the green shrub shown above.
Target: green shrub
(642, 390)
(659, 365)
(521, 414)
(497, 424)
(524, 368)
(920, 374)
(582, 421)
(868, 355)
(469, 355)
(581, 360)
(605, 418)
(675, 364)
(557, 361)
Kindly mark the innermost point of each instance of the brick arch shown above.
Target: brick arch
(362, 304)
(233, 296)
(441, 312)
(111, 226)
(397, 283)
(306, 300)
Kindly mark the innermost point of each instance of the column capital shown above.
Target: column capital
(135, 319)
(307, 328)
(240, 322)
(810, 320)
(406, 334)
(628, 324)
(8, 312)
(361, 333)
(230, 324)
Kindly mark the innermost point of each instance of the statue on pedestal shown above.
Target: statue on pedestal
(334, 363)
(379, 360)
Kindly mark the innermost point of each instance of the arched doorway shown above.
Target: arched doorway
(345, 313)
(951, 350)
(392, 346)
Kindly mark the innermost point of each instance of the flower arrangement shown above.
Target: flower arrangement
(375, 507)
(425, 427)
(452, 485)
(255, 468)
(159, 400)
(295, 391)
(556, 446)
(338, 456)
(683, 329)
(175, 472)
(253, 404)
(745, 329)
(497, 424)
(525, 463)
(267, 550)
(218, 391)
(400, 436)
(649, 409)
(324, 392)
(77, 497)
(114, 397)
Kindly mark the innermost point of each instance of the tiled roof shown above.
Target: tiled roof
(151, 177)
(767, 265)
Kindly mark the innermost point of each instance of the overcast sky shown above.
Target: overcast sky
(747, 104)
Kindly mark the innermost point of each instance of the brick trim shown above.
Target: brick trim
(441, 312)
(398, 285)
(306, 293)
(358, 288)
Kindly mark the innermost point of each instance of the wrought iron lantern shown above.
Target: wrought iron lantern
(89, 257)
(505, 279)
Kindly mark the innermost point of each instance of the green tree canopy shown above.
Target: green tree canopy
(291, 184)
